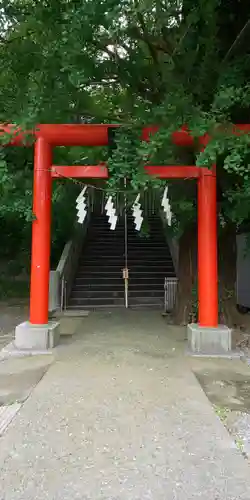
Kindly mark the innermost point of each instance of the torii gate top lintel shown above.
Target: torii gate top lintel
(83, 134)
(97, 134)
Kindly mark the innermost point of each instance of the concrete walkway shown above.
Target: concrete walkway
(120, 416)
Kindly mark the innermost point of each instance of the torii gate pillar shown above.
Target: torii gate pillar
(207, 337)
(39, 333)
(40, 252)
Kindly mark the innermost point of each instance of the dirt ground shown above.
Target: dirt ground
(241, 336)
(12, 313)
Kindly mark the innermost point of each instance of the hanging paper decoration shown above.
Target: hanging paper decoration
(137, 213)
(81, 206)
(110, 210)
(166, 206)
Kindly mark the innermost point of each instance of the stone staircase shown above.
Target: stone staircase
(99, 280)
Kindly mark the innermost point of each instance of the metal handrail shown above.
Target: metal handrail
(68, 263)
(63, 293)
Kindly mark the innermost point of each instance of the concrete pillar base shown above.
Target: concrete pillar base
(37, 337)
(209, 341)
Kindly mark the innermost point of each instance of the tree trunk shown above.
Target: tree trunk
(229, 315)
(186, 303)
(187, 266)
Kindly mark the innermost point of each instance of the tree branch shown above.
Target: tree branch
(237, 40)
(145, 35)
(7, 41)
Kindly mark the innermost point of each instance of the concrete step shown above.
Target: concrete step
(79, 286)
(96, 278)
(99, 307)
(82, 294)
(132, 254)
(104, 274)
(88, 307)
(108, 244)
(121, 263)
(116, 259)
(116, 282)
(132, 258)
(96, 301)
(98, 288)
(120, 236)
(92, 303)
(102, 267)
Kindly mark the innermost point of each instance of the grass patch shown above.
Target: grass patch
(222, 412)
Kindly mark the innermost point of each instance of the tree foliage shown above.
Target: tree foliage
(132, 62)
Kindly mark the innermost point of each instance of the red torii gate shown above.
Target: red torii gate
(48, 136)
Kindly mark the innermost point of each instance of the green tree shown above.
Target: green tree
(134, 62)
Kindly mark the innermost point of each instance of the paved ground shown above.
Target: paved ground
(120, 416)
